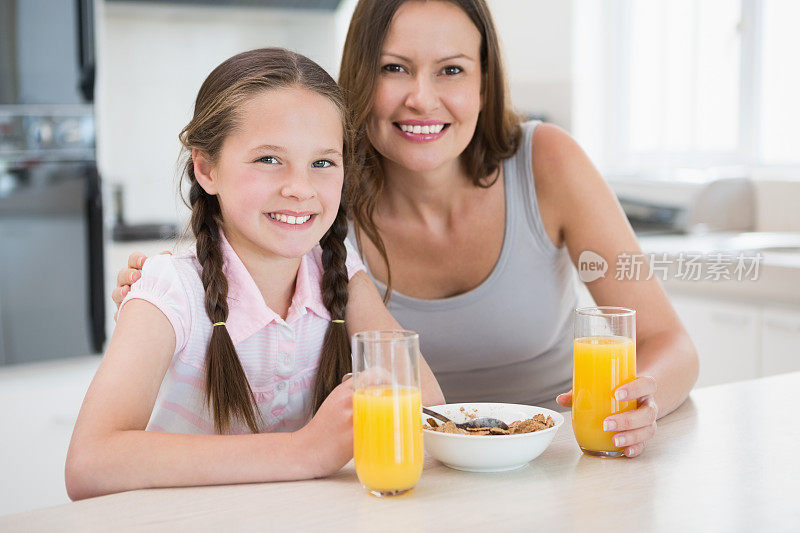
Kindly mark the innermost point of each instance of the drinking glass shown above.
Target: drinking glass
(387, 420)
(604, 357)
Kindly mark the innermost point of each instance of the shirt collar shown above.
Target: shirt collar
(247, 311)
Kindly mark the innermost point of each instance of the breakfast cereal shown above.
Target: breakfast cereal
(536, 423)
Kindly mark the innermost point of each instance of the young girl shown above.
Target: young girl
(220, 357)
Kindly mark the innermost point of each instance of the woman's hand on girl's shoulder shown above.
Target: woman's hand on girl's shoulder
(328, 437)
(128, 276)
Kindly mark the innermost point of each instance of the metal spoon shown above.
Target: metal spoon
(483, 422)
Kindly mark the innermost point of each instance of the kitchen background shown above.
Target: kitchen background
(687, 106)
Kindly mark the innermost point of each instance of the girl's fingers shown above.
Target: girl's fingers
(633, 451)
(638, 388)
(641, 417)
(636, 436)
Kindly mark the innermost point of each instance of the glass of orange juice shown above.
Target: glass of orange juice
(387, 403)
(604, 357)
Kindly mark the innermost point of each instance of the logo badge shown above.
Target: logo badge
(591, 266)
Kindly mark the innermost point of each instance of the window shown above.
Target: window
(779, 88)
(688, 83)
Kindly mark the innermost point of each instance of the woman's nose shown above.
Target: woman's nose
(422, 96)
(298, 186)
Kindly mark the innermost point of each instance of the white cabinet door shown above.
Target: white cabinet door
(780, 340)
(726, 335)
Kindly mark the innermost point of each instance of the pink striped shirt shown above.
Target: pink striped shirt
(279, 357)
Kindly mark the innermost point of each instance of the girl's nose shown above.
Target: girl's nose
(422, 96)
(298, 186)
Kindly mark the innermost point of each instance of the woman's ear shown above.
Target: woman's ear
(204, 171)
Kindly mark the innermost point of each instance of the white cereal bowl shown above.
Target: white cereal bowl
(489, 453)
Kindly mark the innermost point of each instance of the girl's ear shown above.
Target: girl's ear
(204, 171)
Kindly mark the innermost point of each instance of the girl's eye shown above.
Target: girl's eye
(393, 67)
(452, 70)
(322, 163)
(268, 159)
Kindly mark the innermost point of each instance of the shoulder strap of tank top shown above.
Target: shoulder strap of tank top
(519, 176)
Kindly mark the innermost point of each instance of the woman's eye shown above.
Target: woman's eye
(268, 159)
(393, 67)
(322, 163)
(452, 70)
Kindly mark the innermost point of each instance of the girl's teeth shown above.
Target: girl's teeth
(289, 219)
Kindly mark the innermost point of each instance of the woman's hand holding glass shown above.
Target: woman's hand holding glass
(635, 427)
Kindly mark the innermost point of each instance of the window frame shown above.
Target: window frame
(616, 153)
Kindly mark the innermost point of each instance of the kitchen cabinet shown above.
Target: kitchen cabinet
(727, 336)
(765, 338)
(780, 340)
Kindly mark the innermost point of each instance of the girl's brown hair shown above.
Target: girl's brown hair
(216, 114)
(496, 136)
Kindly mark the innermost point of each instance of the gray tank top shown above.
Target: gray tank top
(509, 339)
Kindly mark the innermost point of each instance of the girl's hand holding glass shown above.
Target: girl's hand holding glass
(634, 427)
(329, 435)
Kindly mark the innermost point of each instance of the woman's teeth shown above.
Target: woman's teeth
(289, 219)
(434, 128)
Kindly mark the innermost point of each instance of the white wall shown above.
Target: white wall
(152, 60)
(536, 38)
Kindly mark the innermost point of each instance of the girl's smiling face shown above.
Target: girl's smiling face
(279, 173)
(428, 94)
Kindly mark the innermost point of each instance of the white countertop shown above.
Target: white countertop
(781, 249)
(778, 275)
(722, 462)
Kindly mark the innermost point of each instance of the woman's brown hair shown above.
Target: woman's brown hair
(216, 113)
(497, 132)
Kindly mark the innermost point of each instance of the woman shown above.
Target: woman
(473, 221)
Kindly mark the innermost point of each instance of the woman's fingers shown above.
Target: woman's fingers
(119, 294)
(564, 400)
(638, 388)
(127, 276)
(643, 416)
(635, 436)
(633, 451)
(136, 260)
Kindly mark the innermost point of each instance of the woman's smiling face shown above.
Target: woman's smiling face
(428, 94)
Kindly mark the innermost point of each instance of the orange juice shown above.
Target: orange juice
(600, 365)
(387, 437)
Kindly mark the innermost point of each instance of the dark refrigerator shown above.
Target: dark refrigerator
(51, 223)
